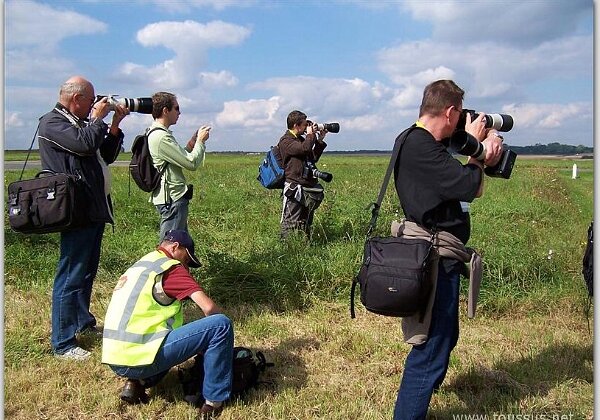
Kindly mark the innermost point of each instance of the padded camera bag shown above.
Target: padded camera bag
(393, 277)
(45, 204)
(270, 172)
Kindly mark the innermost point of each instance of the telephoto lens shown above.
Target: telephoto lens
(500, 122)
(329, 127)
(141, 105)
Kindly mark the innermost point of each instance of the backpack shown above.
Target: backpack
(247, 367)
(141, 168)
(270, 171)
(588, 261)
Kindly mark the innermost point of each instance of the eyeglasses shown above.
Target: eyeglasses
(91, 98)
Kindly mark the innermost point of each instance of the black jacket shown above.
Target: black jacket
(69, 144)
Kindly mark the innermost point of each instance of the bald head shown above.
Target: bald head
(75, 85)
(77, 94)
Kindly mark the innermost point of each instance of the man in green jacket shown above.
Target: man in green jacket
(172, 197)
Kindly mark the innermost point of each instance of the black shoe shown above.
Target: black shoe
(209, 412)
(133, 392)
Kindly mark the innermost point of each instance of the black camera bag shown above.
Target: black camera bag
(393, 277)
(49, 202)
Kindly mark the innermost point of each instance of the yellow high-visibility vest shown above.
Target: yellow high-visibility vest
(139, 314)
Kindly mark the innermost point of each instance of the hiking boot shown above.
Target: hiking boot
(74, 353)
(209, 412)
(133, 392)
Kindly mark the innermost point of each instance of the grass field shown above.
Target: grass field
(529, 350)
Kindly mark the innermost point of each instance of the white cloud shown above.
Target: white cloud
(522, 24)
(13, 119)
(223, 78)
(325, 97)
(31, 44)
(189, 40)
(549, 116)
(27, 24)
(254, 113)
(184, 6)
(484, 70)
(179, 36)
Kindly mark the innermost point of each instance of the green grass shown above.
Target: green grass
(290, 300)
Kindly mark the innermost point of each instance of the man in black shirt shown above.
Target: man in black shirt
(435, 190)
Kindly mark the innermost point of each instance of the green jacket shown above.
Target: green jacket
(164, 149)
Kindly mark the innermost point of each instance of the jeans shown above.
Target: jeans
(72, 290)
(212, 336)
(173, 216)
(427, 364)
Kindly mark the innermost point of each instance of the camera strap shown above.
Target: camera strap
(398, 143)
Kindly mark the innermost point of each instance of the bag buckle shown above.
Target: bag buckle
(51, 194)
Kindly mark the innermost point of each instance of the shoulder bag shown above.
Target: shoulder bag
(47, 203)
(393, 277)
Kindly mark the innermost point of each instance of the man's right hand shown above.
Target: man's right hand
(100, 109)
(203, 133)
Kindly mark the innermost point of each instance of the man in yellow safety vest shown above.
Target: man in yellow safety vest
(144, 335)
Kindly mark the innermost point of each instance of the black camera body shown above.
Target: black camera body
(467, 145)
(310, 169)
(141, 105)
(500, 122)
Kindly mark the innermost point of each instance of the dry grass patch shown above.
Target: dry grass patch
(327, 366)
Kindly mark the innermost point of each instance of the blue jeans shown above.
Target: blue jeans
(427, 364)
(72, 291)
(212, 336)
(173, 216)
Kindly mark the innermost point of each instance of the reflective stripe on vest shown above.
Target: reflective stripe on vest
(123, 343)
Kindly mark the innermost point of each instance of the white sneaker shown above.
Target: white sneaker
(75, 353)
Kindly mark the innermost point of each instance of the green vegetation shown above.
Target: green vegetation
(528, 350)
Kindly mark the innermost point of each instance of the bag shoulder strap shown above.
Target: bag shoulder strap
(148, 132)
(29, 151)
(398, 143)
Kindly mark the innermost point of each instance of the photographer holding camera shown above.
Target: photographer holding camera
(73, 139)
(302, 193)
(435, 190)
(172, 197)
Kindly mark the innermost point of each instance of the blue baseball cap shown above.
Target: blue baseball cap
(185, 240)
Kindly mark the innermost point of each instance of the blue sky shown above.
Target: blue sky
(242, 66)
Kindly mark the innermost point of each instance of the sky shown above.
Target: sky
(241, 66)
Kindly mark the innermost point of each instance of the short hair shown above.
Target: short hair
(68, 89)
(439, 95)
(161, 100)
(295, 117)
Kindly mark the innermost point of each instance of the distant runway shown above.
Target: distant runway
(36, 164)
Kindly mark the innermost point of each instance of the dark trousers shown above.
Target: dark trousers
(295, 217)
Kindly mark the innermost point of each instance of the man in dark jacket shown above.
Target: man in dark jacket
(71, 143)
(301, 193)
